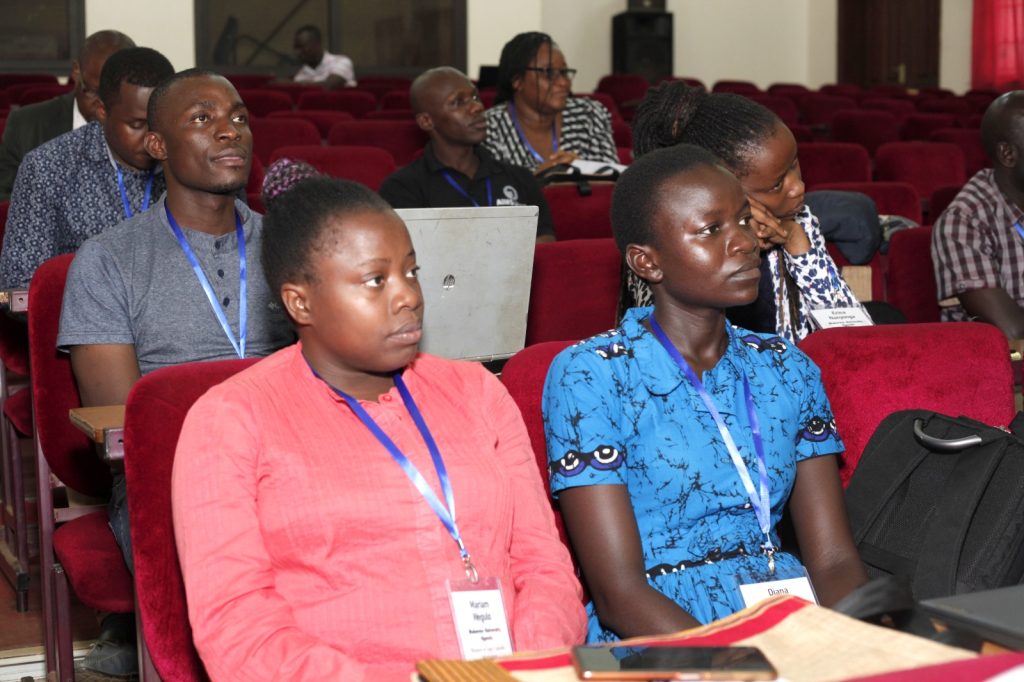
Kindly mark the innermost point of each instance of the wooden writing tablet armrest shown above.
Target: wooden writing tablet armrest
(104, 425)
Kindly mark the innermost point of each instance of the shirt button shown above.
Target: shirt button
(386, 398)
(220, 273)
(227, 301)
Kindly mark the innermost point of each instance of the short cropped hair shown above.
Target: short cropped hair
(141, 66)
(156, 100)
(313, 32)
(637, 194)
(294, 226)
(730, 126)
(515, 57)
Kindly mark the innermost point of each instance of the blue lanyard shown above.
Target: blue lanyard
(1020, 230)
(463, 192)
(522, 135)
(239, 346)
(128, 213)
(445, 512)
(760, 502)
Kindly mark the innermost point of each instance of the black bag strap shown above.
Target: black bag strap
(946, 531)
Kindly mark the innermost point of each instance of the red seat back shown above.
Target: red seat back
(924, 165)
(736, 87)
(395, 99)
(269, 134)
(261, 102)
(822, 162)
(154, 413)
(969, 141)
(606, 101)
(842, 90)
(389, 115)
(402, 139)
(817, 109)
(871, 372)
(871, 129)
(244, 81)
(920, 126)
(41, 93)
(623, 87)
(783, 107)
(579, 217)
(575, 290)
(368, 165)
(910, 281)
(323, 119)
(941, 198)
(354, 102)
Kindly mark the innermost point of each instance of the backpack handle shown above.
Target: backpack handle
(941, 444)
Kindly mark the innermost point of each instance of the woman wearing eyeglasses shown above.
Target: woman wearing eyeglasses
(535, 122)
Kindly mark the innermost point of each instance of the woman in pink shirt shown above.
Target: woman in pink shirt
(334, 503)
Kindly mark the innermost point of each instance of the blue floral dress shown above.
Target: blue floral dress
(619, 411)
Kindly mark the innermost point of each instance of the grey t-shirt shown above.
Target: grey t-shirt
(133, 284)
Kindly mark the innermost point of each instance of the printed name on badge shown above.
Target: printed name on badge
(480, 621)
(828, 318)
(753, 593)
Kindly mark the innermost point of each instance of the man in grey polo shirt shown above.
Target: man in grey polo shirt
(163, 287)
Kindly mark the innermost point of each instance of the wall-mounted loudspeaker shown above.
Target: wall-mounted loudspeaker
(642, 43)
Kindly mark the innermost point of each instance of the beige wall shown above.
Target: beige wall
(714, 39)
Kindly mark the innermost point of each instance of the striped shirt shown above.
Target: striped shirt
(586, 130)
(975, 245)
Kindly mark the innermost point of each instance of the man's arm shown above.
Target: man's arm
(994, 305)
(104, 372)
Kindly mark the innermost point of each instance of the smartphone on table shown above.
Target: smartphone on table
(672, 663)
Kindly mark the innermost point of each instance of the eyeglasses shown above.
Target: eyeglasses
(551, 73)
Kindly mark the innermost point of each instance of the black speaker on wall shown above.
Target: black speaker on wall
(642, 44)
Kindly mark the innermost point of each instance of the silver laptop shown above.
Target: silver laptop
(475, 271)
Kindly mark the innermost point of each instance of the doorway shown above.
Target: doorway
(889, 42)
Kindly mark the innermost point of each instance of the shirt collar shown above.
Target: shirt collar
(488, 165)
(659, 372)
(77, 119)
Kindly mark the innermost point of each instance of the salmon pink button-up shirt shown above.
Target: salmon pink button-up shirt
(308, 554)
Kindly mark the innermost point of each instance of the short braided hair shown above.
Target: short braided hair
(515, 58)
(729, 126)
(282, 175)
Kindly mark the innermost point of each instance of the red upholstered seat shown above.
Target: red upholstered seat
(243, 81)
(18, 409)
(270, 133)
(154, 412)
(402, 139)
(606, 100)
(793, 90)
(969, 141)
(817, 109)
(294, 90)
(891, 198)
(389, 115)
(864, 127)
(323, 119)
(368, 165)
(261, 102)
(41, 93)
(354, 102)
(941, 198)
(395, 99)
(924, 165)
(579, 217)
(842, 90)
(783, 107)
(94, 564)
(960, 368)
(910, 280)
(622, 133)
(822, 162)
(736, 87)
(256, 174)
(624, 88)
(921, 126)
(574, 291)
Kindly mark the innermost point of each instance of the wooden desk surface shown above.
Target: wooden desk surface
(93, 421)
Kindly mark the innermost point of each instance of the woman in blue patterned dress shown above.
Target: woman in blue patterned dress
(645, 423)
(798, 274)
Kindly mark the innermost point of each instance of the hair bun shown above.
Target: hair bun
(663, 114)
(282, 175)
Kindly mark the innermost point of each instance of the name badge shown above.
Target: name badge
(827, 318)
(479, 615)
(753, 593)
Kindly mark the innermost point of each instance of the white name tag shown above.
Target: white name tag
(479, 616)
(827, 318)
(753, 593)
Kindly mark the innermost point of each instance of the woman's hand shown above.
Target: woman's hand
(772, 231)
(562, 156)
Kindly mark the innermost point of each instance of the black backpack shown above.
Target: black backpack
(939, 501)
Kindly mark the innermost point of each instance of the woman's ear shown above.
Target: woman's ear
(642, 259)
(295, 298)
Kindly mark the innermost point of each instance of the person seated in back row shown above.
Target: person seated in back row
(455, 170)
(319, 66)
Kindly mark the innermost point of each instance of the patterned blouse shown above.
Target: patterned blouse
(619, 411)
(586, 130)
(816, 276)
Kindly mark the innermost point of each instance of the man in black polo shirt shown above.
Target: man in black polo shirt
(454, 169)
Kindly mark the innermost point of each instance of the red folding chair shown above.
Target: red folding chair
(269, 134)
(575, 290)
(294, 90)
(402, 139)
(818, 110)
(624, 88)
(323, 119)
(622, 134)
(606, 100)
(261, 102)
(395, 99)
(389, 115)
(76, 544)
(822, 162)
(871, 372)
(379, 86)
(924, 165)
(246, 81)
(969, 141)
(783, 107)
(921, 126)
(910, 280)
(942, 198)
(901, 108)
(792, 90)
(355, 102)
(842, 90)
(154, 412)
(580, 217)
(871, 129)
(368, 165)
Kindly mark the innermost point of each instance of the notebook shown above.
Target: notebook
(994, 615)
(475, 271)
